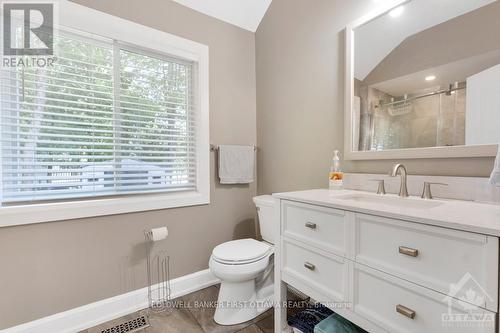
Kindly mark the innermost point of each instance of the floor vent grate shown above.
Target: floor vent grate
(130, 326)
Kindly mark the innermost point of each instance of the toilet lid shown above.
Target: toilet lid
(241, 250)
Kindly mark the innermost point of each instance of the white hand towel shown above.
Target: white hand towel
(236, 164)
(495, 174)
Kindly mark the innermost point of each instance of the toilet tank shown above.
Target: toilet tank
(266, 206)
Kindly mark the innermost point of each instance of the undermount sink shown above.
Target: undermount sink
(391, 201)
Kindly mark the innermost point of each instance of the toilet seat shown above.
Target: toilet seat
(241, 252)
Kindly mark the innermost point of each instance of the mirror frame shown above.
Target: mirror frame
(484, 150)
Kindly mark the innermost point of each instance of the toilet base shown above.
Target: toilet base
(240, 302)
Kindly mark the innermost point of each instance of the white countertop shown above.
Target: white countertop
(470, 216)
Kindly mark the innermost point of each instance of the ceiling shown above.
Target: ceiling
(457, 71)
(245, 14)
(376, 39)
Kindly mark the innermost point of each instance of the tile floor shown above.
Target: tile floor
(187, 318)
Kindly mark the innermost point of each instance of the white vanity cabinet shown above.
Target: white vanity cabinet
(386, 274)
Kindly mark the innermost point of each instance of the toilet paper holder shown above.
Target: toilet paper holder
(158, 274)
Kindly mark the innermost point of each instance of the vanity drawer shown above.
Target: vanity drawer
(430, 256)
(323, 272)
(321, 227)
(403, 307)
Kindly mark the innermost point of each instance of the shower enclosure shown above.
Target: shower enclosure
(424, 119)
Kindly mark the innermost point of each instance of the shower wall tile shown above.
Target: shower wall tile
(437, 120)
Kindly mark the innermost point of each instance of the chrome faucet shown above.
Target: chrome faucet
(399, 169)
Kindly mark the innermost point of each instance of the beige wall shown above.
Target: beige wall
(52, 267)
(300, 59)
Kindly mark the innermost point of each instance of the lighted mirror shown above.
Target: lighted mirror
(426, 74)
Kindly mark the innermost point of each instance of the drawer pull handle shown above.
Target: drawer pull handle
(405, 311)
(309, 266)
(311, 225)
(407, 251)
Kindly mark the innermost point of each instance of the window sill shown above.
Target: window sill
(59, 211)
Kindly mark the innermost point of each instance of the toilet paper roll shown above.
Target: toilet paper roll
(158, 234)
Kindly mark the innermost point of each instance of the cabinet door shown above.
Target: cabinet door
(320, 227)
(324, 272)
(402, 307)
(436, 258)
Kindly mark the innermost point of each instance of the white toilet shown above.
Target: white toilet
(245, 268)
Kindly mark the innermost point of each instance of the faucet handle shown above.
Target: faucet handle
(381, 185)
(427, 193)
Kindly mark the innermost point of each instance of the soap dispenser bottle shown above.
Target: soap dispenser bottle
(336, 174)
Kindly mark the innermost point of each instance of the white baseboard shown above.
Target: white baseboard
(93, 314)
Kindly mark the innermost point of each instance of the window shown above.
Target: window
(113, 117)
(104, 120)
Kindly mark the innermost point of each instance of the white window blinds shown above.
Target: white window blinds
(104, 120)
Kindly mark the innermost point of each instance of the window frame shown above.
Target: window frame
(135, 36)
